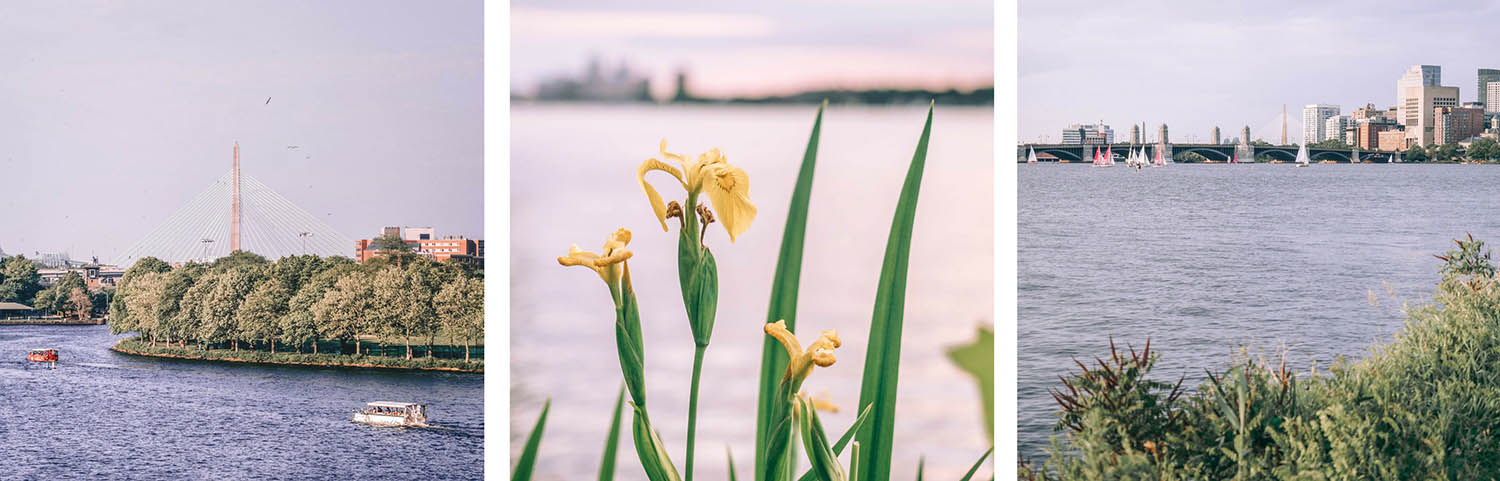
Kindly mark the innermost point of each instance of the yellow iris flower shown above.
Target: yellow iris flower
(727, 186)
(819, 353)
(607, 264)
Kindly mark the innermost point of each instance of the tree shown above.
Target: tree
(345, 309)
(22, 282)
(79, 303)
(120, 320)
(1444, 153)
(58, 298)
(1416, 153)
(176, 322)
(300, 325)
(397, 302)
(259, 315)
(146, 298)
(1484, 149)
(395, 249)
(460, 306)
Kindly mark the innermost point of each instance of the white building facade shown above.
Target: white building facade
(1315, 121)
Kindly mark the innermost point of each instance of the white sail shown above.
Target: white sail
(1302, 157)
(1030, 155)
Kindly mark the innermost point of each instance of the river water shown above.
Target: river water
(573, 181)
(105, 415)
(1207, 259)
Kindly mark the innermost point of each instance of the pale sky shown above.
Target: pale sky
(1196, 64)
(115, 114)
(759, 48)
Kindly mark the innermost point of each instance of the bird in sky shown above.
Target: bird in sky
(268, 101)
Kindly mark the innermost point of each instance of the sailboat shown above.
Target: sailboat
(1109, 156)
(1157, 162)
(1102, 159)
(1030, 156)
(1302, 158)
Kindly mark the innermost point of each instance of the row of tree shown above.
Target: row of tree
(297, 301)
(21, 282)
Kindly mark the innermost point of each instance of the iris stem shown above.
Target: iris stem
(692, 427)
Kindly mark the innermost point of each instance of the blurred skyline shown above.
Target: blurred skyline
(758, 49)
(1196, 65)
(363, 113)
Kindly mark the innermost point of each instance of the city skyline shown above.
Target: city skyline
(117, 116)
(1197, 66)
(767, 48)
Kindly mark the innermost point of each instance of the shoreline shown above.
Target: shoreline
(233, 360)
(45, 322)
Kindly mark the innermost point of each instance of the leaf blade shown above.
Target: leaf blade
(612, 442)
(533, 443)
(784, 286)
(883, 355)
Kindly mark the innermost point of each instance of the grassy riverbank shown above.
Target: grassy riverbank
(1421, 407)
(137, 347)
(50, 321)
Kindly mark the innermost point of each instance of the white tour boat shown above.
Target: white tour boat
(386, 413)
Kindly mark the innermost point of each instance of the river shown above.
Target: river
(1207, 259)
(106, 415)
(573, 181)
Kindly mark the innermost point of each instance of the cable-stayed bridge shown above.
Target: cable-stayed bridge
(237, 212)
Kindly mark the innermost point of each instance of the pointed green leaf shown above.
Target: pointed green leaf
(825, 464)
(612, 443)
(921, 465)
(977, 464)
(883, 358)
(651, 451)
(838, 447)
(533, 443)
(730, 455)
(784, 294)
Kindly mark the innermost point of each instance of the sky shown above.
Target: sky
(1195, 65)
(758, 48)
(113, 115)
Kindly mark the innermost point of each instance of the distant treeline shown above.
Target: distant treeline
(296, 301)
(20, 282)
(983, 96)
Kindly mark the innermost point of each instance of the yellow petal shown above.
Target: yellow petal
(728, 187)
(657, 205)
(778, 330)
(580, 257)
(682, 161)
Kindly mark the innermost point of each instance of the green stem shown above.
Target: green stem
(692, 427)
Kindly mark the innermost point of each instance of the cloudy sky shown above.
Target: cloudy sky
(113, 115)
(759, 48)
(1197, 64)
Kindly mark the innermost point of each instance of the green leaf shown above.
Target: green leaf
(921, 465)
(883, 358)
(533, 443)
(822, 458)
(978, 360)
(972, 470)
(838, 447)
(703, 290)
(649, 448)
(784, 294)
(730, 455)
(612, 443)
(629, 345)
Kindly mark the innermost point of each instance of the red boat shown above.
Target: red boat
(42, 355)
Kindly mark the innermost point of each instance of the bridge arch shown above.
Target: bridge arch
(1276, 154)
(1326, 153)
(1218, 152)
(1061, 153)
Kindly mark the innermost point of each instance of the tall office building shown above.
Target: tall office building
(1314, 121)
(1492, 97)
(1333, 128)
(1135, 134)
(1215, 136)
(1088, 134)
(1420, 102)
(1453, 124)
(1487, 75)
(1416, 76)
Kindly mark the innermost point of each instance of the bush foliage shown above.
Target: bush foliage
(1425, 406)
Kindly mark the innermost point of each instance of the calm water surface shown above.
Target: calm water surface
(573, 181)
(106, 415)
(1205, 259)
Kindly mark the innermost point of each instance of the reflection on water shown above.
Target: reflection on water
(106, 415)
(1205, 258)
(573, 181)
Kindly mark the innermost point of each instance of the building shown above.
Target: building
(1088, 134)
(1368, 112)
(1135, 134)
(1333, 128)
(1416, 76)
(1214, 136)
(424, 242)
(1315, 121)
(1486, 76)
(95, 276)
(1453, 124)
(1366, 134)
(1420, 104)
(623, 85)
(1492, 97)
(1391, 140)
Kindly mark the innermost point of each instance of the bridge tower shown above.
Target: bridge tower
(1162, 144)
(234, 211)
(1245, 150)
